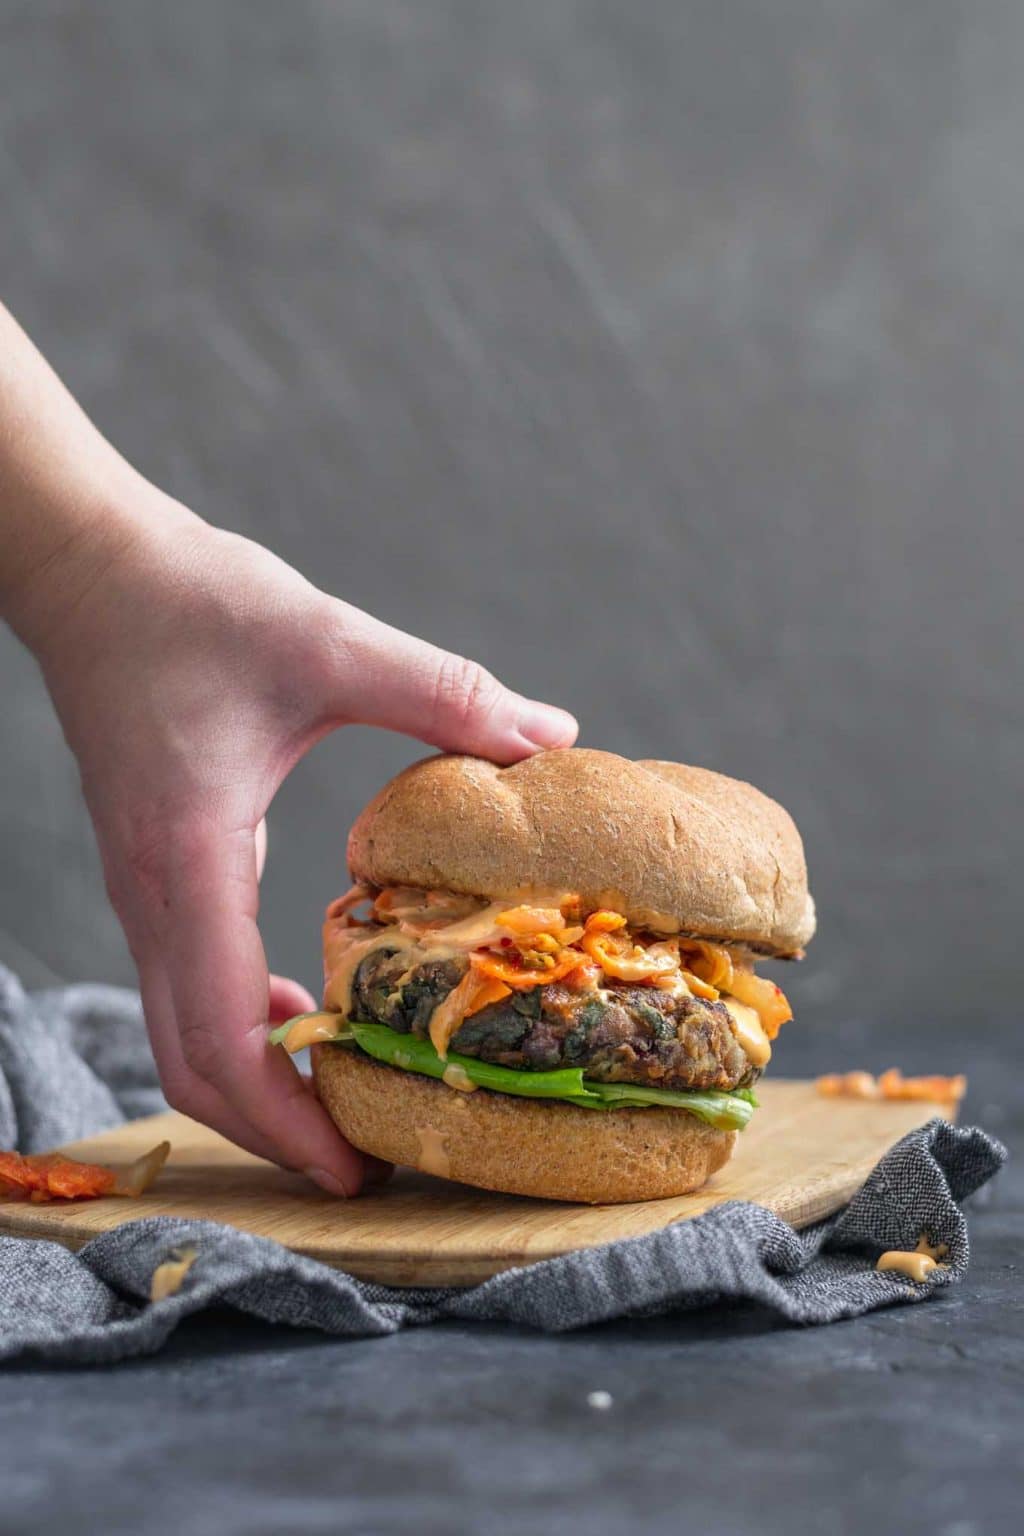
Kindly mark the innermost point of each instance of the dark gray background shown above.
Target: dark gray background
(669, 358)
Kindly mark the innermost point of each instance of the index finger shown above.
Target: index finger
(217, 973)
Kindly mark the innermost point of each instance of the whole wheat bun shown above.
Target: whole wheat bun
(516, 1145)
(675, 849)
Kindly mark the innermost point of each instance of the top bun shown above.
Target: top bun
(675, 849)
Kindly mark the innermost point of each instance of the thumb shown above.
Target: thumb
(382, 676)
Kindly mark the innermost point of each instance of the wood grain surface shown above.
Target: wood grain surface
(803, 1156)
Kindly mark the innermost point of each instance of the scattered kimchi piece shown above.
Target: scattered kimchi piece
(50, 1177)
(892, 1085)
(41, 1177)
(138, 1176)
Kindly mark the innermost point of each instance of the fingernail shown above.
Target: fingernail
(327, 1181)
(547, 726)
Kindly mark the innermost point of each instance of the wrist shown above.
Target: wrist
(75, 552)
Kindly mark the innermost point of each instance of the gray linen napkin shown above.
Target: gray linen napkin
(75, 1061)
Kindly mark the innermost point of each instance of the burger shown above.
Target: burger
(543, 980)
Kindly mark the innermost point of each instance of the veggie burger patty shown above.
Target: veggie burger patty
(621, 1033)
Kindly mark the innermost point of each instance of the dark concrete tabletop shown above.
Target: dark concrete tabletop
(908, 1420)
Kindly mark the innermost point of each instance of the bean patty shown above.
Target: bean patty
(622, 1034)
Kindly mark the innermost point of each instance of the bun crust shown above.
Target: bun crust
(517, 1146)
(676, 849)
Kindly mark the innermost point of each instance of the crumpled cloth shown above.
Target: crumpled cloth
(75, 1061)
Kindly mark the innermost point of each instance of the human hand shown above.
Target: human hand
(191, 670)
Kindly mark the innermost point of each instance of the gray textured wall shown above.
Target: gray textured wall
(667, 357)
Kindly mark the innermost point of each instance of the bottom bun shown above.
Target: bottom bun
(518, 1146)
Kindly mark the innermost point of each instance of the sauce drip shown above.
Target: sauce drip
(433, 1156)
(749, 1032)
(169, 1276)
(457, 1077)
(934, 1251)
(917, 1265)
(307, 1031)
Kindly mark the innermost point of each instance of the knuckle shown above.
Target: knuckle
(180, 1094)
(147, 858)
(158, 849)
(464, 692)
(202, 1049)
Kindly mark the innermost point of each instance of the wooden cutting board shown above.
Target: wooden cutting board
(802, 1156)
